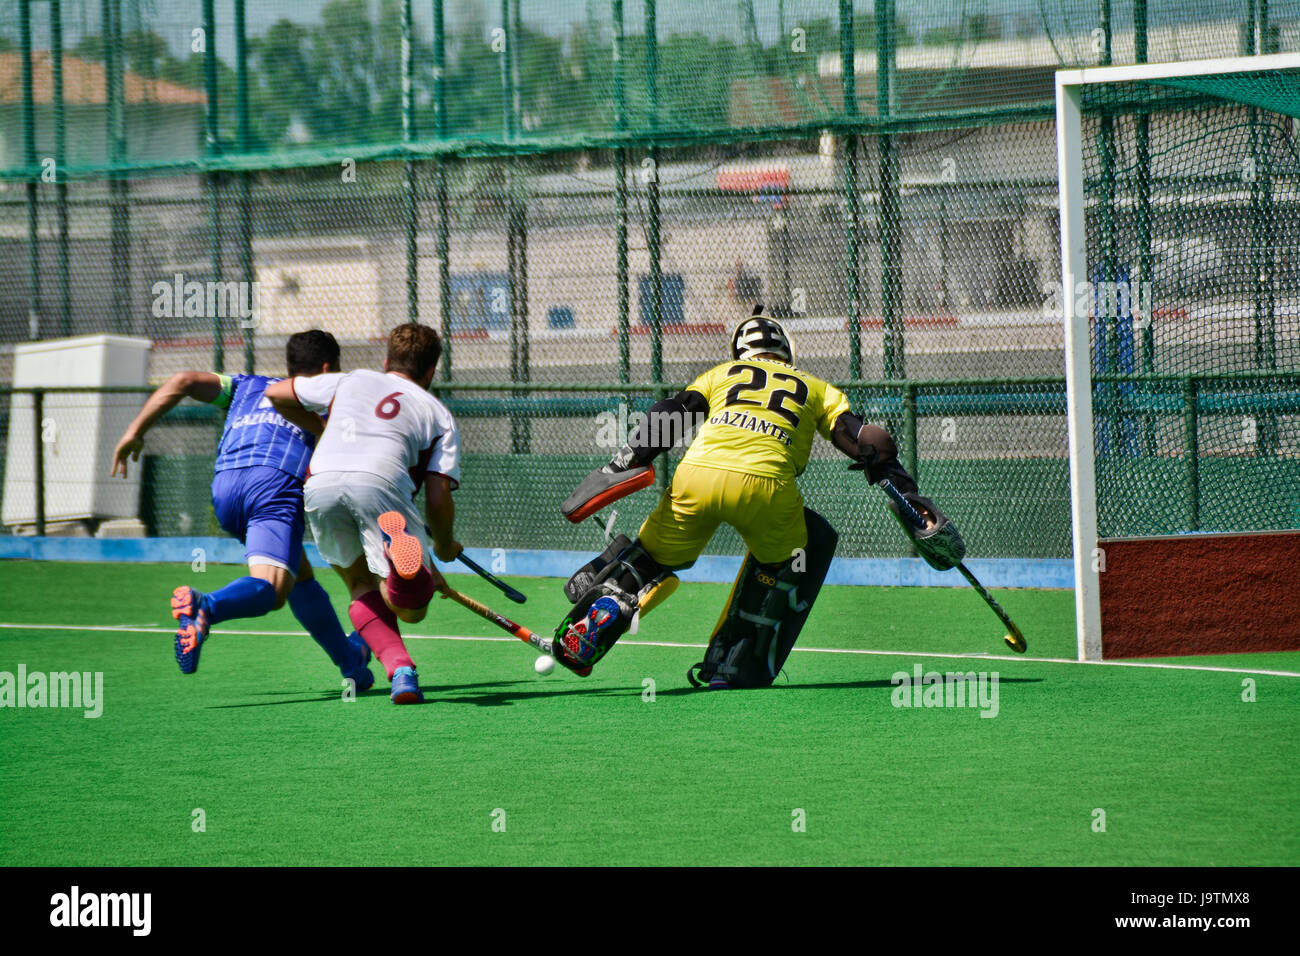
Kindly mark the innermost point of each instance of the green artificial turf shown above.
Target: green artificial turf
(602, 771)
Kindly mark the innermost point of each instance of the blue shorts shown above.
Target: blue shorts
(262, 507)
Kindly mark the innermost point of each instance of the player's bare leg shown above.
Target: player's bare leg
(279, 578)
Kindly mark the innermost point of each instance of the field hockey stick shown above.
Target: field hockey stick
(1013, 638)
(543, 644)
(485, 574)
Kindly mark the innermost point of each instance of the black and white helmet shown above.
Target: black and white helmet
(758, 334)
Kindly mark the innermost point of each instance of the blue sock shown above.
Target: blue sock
(311, 606)
(243, 597)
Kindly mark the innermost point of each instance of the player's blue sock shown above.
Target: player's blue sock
(243, 597)
(311, 606)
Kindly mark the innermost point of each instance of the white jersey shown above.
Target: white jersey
(382, 424)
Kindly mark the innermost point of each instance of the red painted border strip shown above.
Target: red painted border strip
(1200, 594)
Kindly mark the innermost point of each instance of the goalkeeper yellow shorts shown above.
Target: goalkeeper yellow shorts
(768, 513)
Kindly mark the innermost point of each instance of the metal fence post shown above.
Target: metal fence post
(910, 454)
(520, 429)
(620, 200)
(653, 239)
(849, 89)
(891, 268)
(1142, 163)
(519, 203)
(444, 228)
(60, 157)
(38, 459)
(1262, 250)
(1191, 453)
(213, 148)
(29, 158)
(507, 198)
(409, 187)
(120, 215)
(245, 182)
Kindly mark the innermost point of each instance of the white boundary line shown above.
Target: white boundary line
(134, 629)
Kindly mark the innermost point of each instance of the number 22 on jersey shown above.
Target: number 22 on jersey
(779, 392)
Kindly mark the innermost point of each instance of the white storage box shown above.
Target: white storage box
(79, 430)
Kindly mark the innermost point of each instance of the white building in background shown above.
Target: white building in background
(164, 121)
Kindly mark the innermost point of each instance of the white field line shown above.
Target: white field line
(132, 629)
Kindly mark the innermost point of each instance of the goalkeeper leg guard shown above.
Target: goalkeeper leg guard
(767, 609)
(604, 611)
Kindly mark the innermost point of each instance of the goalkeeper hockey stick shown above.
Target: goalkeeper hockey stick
(1013, 638)
(486, 575)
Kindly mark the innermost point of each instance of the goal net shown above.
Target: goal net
(1180, 252)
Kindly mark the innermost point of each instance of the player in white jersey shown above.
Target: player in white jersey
(385, 438)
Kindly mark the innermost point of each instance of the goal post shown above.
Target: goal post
(1179, 194)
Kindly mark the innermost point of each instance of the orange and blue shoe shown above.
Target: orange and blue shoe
(188, 609)
(406, 686)
(360, 674)
(404, 551)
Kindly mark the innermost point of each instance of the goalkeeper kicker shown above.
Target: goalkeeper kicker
(759, 414)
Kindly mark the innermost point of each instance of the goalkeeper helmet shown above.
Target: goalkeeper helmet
(759, 334)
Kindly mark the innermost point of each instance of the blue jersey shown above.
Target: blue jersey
(255, 433)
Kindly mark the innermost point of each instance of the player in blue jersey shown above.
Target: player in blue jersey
(257, 496)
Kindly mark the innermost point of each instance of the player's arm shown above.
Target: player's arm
(284, 399)
(440, 515)
(667, 421)
(441, 478)
(874, 453)
(200, 386)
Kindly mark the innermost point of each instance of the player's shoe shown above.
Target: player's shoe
(406, 686)
(360, 674)
(404, 552)
(188, 609)
(582, 639)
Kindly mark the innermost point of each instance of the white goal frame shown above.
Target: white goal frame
(1074, 268)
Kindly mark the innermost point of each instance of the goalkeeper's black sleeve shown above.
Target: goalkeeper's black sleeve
(667, 422)
(872, 450)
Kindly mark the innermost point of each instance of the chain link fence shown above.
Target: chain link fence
(585, 198)
(1193, 228)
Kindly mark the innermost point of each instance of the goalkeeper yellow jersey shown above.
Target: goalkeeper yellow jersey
(762, 417)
